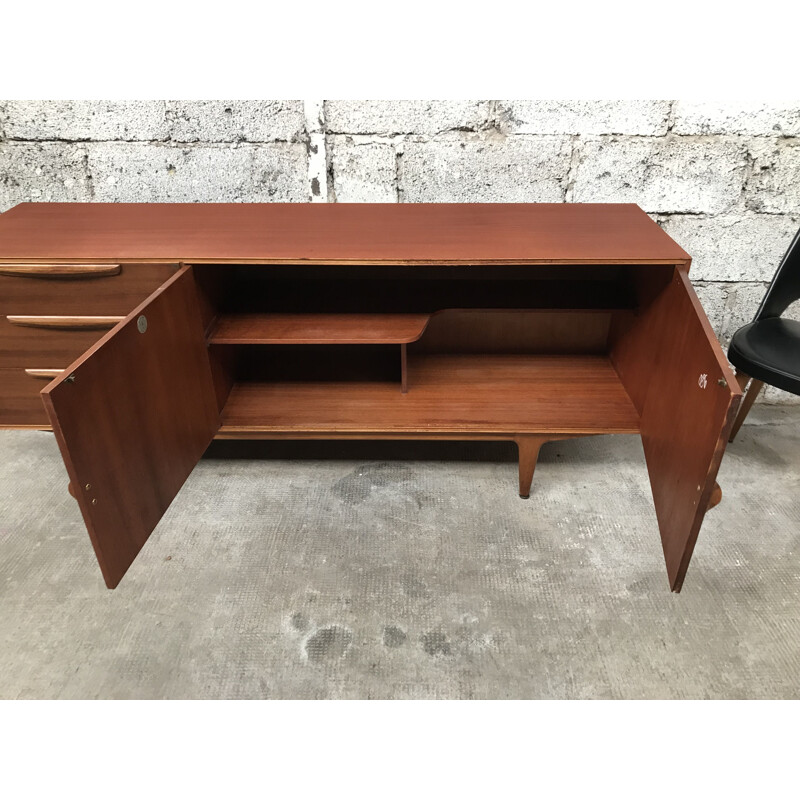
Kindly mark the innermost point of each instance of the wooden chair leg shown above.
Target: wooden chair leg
(747, 401)
(529, 447)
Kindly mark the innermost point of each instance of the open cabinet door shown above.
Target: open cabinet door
(677, 376)
(132, 417)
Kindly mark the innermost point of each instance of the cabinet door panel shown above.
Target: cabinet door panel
(132, 417)
(679, 379)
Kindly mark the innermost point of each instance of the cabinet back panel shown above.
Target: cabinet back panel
(508, 331)
(302, 289)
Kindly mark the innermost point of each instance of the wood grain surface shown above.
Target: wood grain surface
(64, 322)
(675, 371)
(368, 233)
(23, 345)
(515, 331)
(132, 417)
(20, 401)
(61, 271)
(104, 295)
(470, 394)
(318, 328)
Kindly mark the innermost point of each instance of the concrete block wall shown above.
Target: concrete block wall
(722, 178)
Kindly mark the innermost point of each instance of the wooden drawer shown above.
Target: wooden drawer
(48, 341)
(78, 289)
(20, 401)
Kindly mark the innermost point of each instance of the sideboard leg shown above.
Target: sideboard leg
(716, 497)
(528, 455)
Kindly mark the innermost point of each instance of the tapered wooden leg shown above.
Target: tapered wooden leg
(528, 454)
(747, 401)
(716, 496)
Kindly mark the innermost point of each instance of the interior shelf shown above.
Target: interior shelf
(505, 394)
(319, 328)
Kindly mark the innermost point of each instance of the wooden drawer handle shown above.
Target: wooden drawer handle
(44, 373)
(66, 323)
(70, 271)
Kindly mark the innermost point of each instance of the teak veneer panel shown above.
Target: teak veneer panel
(447, 394)
(516, 331)
(29, 346)
(105, 293)
(370, 233)
(132, 417)
(21, 403)
(319, 328)
(674, 369)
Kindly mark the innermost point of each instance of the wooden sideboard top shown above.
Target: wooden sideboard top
(337, 233)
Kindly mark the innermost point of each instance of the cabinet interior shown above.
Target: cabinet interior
(346, 349)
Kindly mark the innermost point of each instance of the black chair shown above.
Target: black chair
(768, 349)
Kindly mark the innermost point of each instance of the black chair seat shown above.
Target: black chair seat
(769, 351)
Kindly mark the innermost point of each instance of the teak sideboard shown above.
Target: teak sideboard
(140, 332)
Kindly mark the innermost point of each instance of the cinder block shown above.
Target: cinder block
(317, 168)
(388, 117)
(237, 120)
(363, 171)
(478, 169)
(34, 172)
(774, 186)
(95, 120)
(714, 298)
(661, 175)
(203, 174)
(744, 300)
(740, 117)
(728, 306)
(733, 247)
(586, 117)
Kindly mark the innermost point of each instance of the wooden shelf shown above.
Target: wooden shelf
(491, 394)
(319, 328)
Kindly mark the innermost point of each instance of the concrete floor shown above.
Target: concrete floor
(408, 571)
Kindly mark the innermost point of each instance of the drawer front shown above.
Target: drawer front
(34, 343)
(20, 401)
(72, 293)
(115, 289)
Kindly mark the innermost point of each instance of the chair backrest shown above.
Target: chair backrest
(785, 286)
